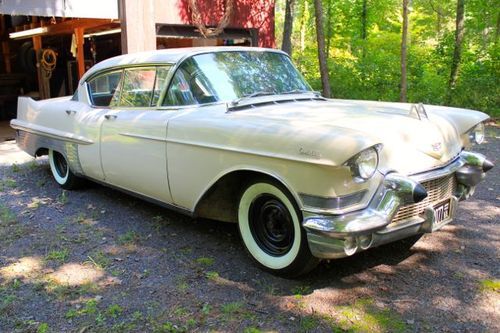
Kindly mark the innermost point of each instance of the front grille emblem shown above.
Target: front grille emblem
(436, 146)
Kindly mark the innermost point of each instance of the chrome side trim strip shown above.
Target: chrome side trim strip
(146, 137)
(317, 204)
(261, 154)
(49, 132)
(31, 143)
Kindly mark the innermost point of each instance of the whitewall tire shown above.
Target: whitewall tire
(270, 226)
(61, 172)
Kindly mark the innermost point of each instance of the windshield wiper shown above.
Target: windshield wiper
(255, 94)
(300, 91)
(296, 91)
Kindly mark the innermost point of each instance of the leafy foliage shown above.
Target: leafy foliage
(369, 68)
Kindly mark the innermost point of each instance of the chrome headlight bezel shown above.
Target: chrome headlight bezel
(476, 134)
(364, 164)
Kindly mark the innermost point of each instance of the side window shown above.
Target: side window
(189, 87)
(104, 89)
(180, 92)
(138, 87)
(160, 83)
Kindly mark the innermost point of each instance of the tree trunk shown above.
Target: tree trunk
(364, 27)
(320, 35)
(497, 31)
(286, 46)
(457, 53)
(364, 19)
(404, 54)
(303, 27)
(329, 25)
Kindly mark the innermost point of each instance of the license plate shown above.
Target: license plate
(442, 211)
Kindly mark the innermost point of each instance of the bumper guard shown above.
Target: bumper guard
(335, 236)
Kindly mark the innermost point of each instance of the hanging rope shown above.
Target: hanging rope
(211, 32)
(48, 61)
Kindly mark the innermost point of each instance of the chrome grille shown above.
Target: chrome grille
(437, 190)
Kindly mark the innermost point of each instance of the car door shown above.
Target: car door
(134, 132)
(97, 94)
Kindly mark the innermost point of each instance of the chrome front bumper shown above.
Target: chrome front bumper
(336, 236)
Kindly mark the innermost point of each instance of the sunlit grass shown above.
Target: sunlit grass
(60, 256)
(7, 216)
(212, 275)
(205, 261)
(490, 285)
(364, 316)
(99, 259)
(130, 237)
(7, 183)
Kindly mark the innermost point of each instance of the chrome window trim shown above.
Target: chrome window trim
(122, 68)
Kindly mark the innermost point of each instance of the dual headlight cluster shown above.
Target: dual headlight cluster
(364, 164)
(476, 134)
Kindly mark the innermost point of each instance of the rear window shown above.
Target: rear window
(104, 88)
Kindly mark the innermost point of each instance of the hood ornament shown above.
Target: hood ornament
(418, 111)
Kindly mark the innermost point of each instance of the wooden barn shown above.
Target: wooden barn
(47, 45)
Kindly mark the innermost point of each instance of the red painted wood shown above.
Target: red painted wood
(258, 14)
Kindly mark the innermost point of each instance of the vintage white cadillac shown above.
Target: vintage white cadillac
(236, 134)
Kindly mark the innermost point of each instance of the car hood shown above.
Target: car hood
(330, 132)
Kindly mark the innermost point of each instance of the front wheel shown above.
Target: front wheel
(61, 171)
(269, 224)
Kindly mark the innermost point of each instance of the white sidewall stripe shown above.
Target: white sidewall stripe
(60, 180)
(243, 212)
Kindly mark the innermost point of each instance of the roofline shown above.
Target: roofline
(177, 55)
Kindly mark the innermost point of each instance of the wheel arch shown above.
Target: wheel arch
(220, 200)
(41, 151)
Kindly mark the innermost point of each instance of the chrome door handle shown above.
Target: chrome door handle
(110, 116)
(70, 112)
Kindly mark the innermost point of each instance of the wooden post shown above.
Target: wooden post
(6, 57)
(137, 21)
(5, 45)
(80, 58)
(2, 25)
(37, 46)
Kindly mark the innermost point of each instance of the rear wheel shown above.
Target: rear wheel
(61, 171)
(270, 226)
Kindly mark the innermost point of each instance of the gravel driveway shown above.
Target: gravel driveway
(97, 260)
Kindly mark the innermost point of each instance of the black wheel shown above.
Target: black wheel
(61, 171)
(270, 226)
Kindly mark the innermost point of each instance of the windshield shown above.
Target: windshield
(226, 76)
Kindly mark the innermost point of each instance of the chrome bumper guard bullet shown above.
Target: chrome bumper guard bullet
(336, 236)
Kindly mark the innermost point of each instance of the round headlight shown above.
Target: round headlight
(365, 164)
(476, 135)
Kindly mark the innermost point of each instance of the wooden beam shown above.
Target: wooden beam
(6, 57)
(69, 26)
(80, 57)
(37, 46)
(37, 43)
(2, 26)
(137, 19)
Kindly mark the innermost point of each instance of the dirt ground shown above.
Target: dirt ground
(97, 260)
